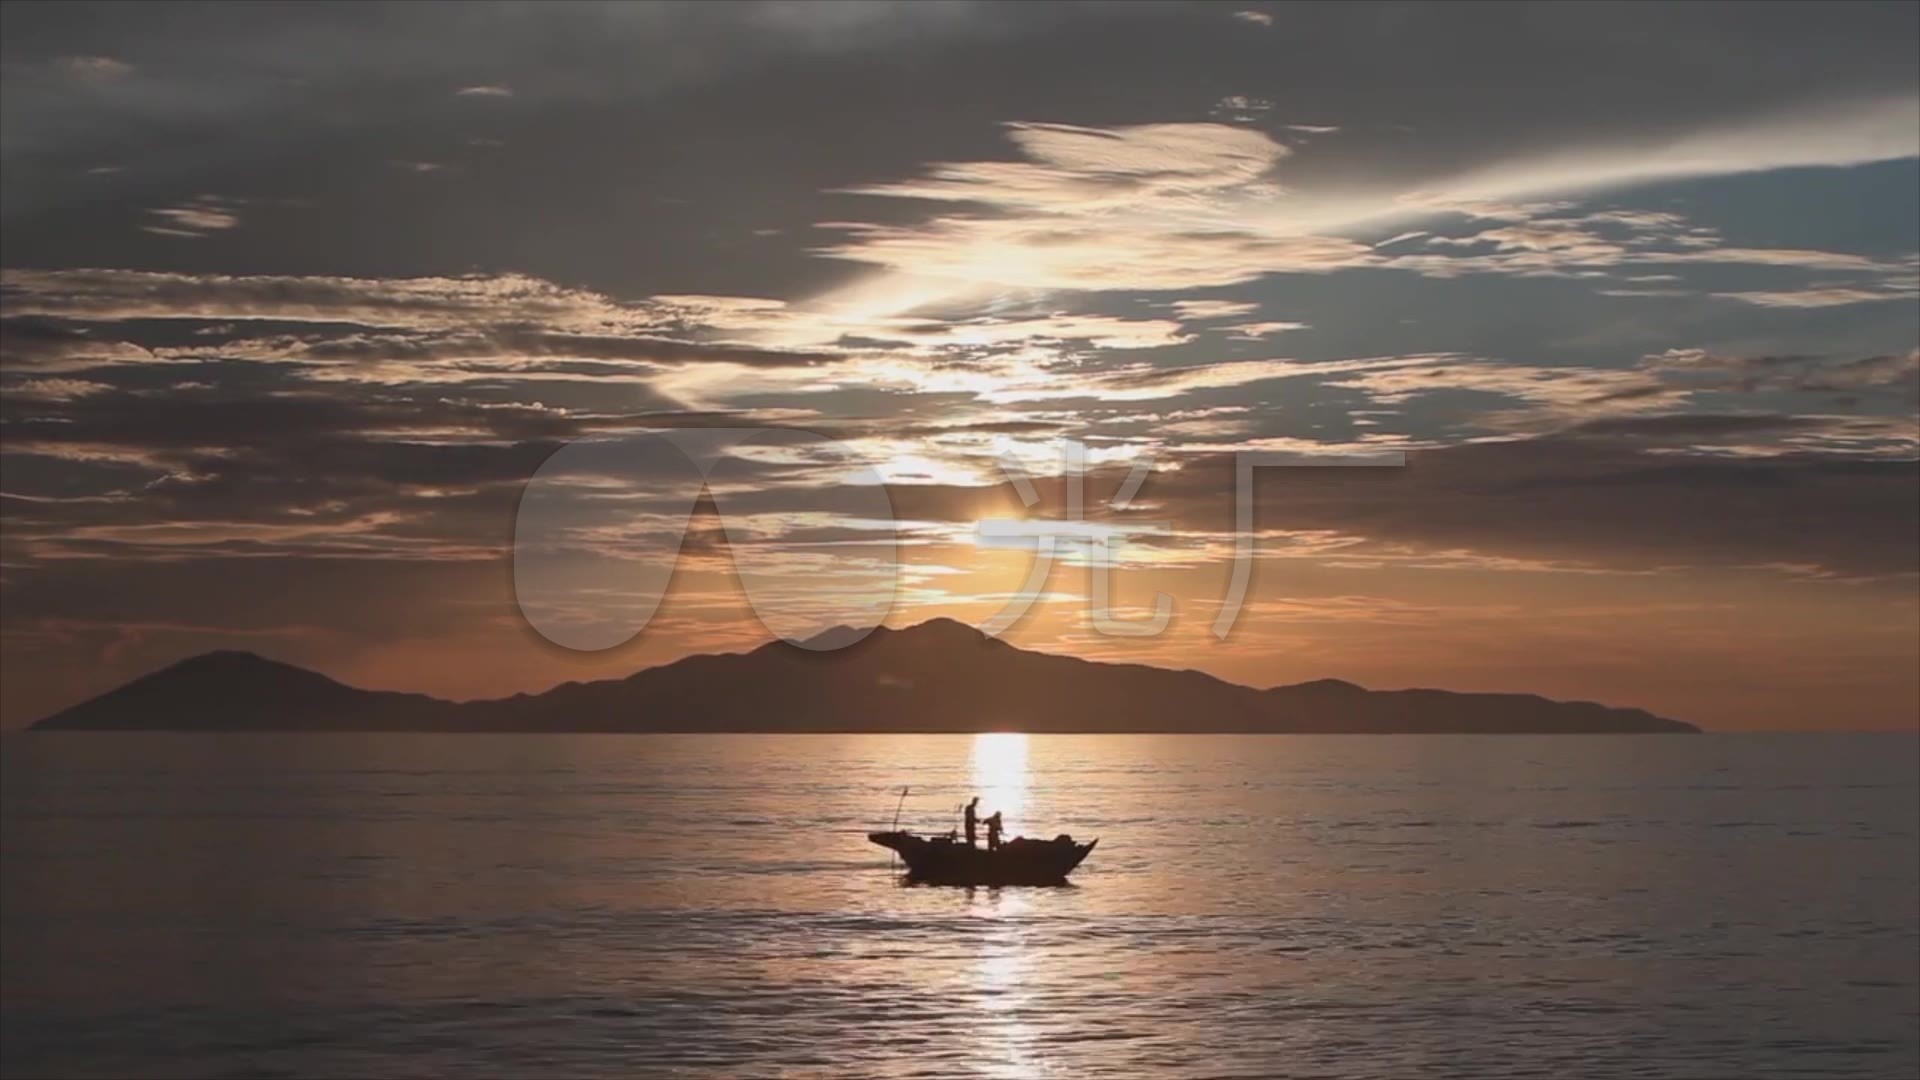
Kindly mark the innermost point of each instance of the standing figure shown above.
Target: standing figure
(973, 820)
(993, 832)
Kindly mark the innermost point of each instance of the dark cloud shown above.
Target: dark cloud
(689, 128)
(1694, 425)
(1615, 505)
(1611, 507)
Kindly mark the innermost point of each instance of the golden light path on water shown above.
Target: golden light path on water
(1001, 979)
(1000, 778)
(1001, 974)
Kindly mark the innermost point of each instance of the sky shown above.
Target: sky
(297, 299)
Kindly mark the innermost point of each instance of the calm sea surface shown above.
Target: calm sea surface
(188, 905)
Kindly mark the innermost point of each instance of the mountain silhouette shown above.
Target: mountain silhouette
(939, 676)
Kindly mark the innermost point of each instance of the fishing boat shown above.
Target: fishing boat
(944, 860)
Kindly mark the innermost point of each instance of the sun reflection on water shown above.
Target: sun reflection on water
(1000, 776)
(1008, 1043)
(1008, 1040)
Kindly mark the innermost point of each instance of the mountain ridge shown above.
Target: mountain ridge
(937, 676)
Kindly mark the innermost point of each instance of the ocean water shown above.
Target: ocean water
(657, 906)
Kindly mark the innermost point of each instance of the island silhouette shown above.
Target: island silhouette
(938, 676)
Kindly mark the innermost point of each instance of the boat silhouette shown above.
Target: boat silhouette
(944, 860)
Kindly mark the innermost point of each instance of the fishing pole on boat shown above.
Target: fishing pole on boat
(896, 824)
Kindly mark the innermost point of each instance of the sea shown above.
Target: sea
(1728, 905)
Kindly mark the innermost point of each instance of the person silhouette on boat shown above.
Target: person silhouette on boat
(973, 819)
(993, 831)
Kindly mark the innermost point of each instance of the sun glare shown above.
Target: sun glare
(1000, 778)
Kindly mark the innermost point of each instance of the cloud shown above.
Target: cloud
(1199, 310)
(1254, 331)
(1571, 500)
(1257, 18)
(698, 350)
(1692, 426)
(1561, 240)
(197, 217)
(1144, 207)
(850, 322)
(702, 354)
(1857, 132)
(1240, 108)
(1821, 296)
(52, 345)
(1805, 374)
(484, 91)
(1762, 435)
(1610, 500)
(993, 380)
(349, 475)
(1654, 398)
(1197, 205)
(1147, 383)
(1090, 331)
(95, 68)
(422, 303)
(503, 330)
(1126, 253)
(1085, 169)
(56, 389)
(1555, 395)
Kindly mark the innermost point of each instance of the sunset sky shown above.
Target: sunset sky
(298, 298)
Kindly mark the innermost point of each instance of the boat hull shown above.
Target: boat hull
(942, 861)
